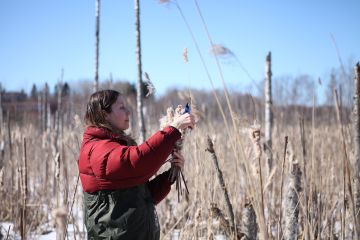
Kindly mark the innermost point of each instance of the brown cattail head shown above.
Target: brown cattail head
(216, 213)
(254, 133)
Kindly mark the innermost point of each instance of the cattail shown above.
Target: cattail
(255, 139)
(292, 204)
(176, 173)
(216, 213)
(248, 222)
(230, 211)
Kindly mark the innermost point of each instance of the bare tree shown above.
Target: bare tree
(97, 37)
(356, 126)
(139, 95)
(268, 111)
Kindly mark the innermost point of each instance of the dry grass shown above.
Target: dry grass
(203, 215)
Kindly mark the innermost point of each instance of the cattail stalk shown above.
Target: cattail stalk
(281, 187)
(139, 92)
(249, 225)
(57, 178)
(97, 44)
(13, 167)
(45, 107)
(229, 208)
(72, 204)
(356, 131)
(24, 191)
(268, 112)
(291, 214)
(40, 109)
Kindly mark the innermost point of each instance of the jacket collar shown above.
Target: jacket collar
(101, 133)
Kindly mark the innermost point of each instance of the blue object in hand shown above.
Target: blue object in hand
(187, 108)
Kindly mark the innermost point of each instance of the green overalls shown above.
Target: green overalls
(121, 214)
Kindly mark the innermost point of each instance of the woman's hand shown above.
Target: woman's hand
(183, 121)
(178, 160)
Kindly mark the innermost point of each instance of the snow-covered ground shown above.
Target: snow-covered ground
(49, 233)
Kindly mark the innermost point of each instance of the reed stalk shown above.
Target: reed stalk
(24, 192)
(281, 188)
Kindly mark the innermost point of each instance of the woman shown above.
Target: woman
(119, 199)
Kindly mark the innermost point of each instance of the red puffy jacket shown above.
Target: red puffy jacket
(107, 163)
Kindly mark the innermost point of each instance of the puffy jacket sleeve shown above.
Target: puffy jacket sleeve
(140, 162)
(160, 186)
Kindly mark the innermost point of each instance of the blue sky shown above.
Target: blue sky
(40, 37)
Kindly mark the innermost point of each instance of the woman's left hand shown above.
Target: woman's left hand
(178, 160)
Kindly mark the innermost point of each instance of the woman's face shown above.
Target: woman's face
(119, 115)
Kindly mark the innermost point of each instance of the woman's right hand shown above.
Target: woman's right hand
(183, 121)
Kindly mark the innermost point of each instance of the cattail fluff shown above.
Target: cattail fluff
(167, 119)
(291, 212)
(248, 221)
(185, 55)
(149, 85)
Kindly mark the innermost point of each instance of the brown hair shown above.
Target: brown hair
(99, 104)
